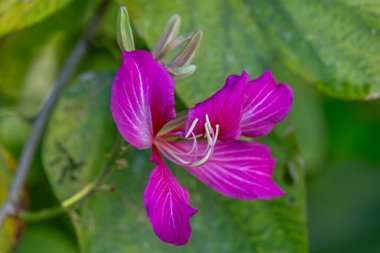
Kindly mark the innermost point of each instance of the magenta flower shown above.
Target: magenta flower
(205, 141)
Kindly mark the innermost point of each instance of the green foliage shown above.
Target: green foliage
(45, 238)
(344, 207)
(317, 40)
(328, 45)
(13, 130)
(80, 134)
(18, 14)
(262, 226)
(39, 49)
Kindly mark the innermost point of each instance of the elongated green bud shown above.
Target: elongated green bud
(177, 42)
(170, 32)
(124, 31)
(187, 54)
(182, 72)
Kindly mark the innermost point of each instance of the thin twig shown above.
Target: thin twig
(10, 205)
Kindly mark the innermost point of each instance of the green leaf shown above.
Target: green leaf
(18, 14)
(13, 130)
(317, 40)
(309, 122)
(42, 237)
(32, 57)
(79, 135)
(343, 186)
(12, 228)
(116, 221)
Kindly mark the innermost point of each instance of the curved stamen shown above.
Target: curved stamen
(190, 131)
(192, 157)
(170, 152)
(209, 139)
(209, 124)
(204, 159)
(195, 145)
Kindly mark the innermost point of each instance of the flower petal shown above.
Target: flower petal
(265, 105)
(167, 205)
(236, 169)
(223, 108)
(142, 98)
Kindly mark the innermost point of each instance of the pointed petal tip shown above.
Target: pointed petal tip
(244, 74)
(267, 74)
(267, 103)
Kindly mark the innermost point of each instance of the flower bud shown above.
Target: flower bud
(186, 55)
(124, 31)
(168, 36)
(182, 72)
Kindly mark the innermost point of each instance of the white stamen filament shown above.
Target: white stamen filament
(209, 139)
(196, 159)
(204, 159)
(209, 124)
(171, 152)
(191, 128)
(216, 134)
(195, 144)
(195, 136)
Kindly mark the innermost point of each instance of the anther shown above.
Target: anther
(191, 128)
(216, 133)
(209, 139)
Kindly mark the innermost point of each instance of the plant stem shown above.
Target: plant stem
(10, 206)
(86, 191)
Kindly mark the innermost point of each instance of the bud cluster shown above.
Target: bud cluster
(173, 51)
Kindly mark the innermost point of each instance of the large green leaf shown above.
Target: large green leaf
(15, 14)
(79, 135)
(117, 222)
(332, 44)
(11, 231)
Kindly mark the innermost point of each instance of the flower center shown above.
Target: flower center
(191, 157)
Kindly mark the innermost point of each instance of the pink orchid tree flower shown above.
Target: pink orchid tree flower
(205, 141)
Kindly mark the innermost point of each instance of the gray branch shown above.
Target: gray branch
(10, 206)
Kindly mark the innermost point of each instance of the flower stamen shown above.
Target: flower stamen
(209, 139)
(190, 131)
(192, 157)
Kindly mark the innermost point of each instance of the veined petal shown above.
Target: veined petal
(223, 108)
(167, 205)
(265, 104)
(142, 98)
(236, 169)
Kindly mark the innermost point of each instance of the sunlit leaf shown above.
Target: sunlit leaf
(317, 40)
(32, 57)
(17, 14)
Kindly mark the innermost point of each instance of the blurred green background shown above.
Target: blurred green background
(328, 51)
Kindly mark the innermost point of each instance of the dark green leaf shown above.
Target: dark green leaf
(45, 238)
